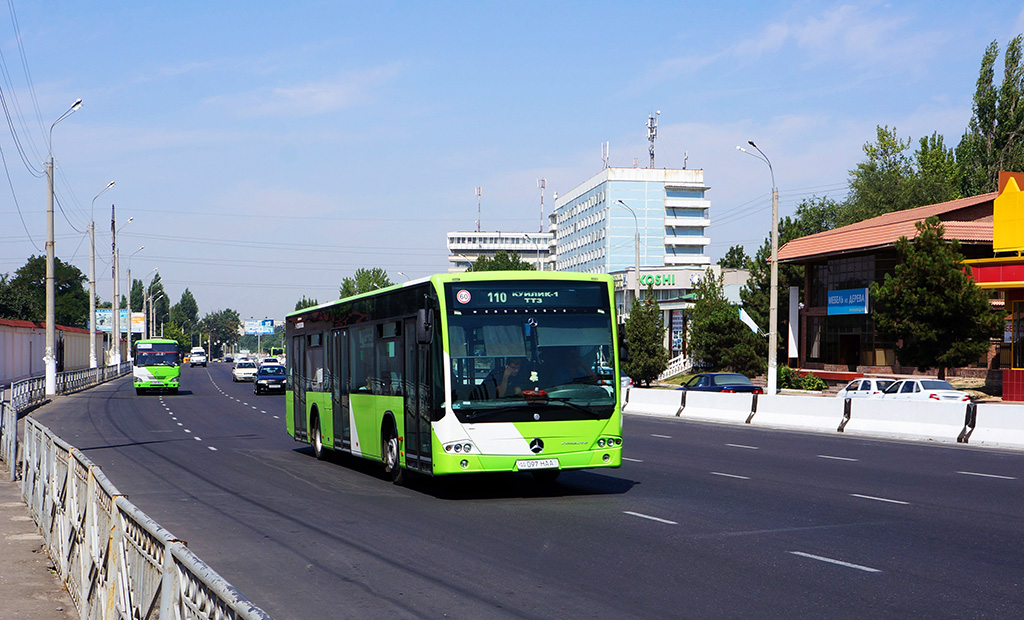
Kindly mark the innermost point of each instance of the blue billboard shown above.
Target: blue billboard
(848, 301)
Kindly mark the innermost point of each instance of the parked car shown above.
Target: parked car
(865, 387)
(243, 371)
(269, 378)
(270, 360)
(924, 389)
(721, 382)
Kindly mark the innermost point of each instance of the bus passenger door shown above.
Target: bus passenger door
(417, 400)
(340, 383)
(297, 363)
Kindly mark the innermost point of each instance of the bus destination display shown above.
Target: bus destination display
(471, 295)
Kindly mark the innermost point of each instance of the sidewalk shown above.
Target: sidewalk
(29, 588)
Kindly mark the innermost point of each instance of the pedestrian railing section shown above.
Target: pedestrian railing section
(30, 392)
(115, 560)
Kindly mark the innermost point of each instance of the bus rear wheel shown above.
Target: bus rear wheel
(392, 461)
(317, 439)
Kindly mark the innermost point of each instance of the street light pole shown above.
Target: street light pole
(116, 304)
(141, 248)
(773, 297)
(49, 356)
(636, 249)
(92, 278)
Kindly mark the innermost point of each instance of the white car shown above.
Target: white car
(865, 387)
(924, 389)
(243, 371)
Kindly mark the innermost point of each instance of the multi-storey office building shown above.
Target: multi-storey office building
(465, 247)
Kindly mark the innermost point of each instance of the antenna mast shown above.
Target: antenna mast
(542, 183)
(652, 132)
(604, 153)
(478, 209)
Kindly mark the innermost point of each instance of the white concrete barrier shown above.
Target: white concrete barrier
(915, 419)
(652, 402)
(802, 412)
(999, 425)
(717, 406)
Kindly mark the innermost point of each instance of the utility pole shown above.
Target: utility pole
(116, 303)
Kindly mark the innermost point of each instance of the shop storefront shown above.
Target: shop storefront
(1004, 274)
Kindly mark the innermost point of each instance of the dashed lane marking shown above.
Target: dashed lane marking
(880, 499)
(974, 473)
(724, 475)
(649, 517)
(819, 558)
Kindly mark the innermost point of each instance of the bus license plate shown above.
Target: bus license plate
(537, 464)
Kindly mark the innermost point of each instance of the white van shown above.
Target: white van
(197, 357)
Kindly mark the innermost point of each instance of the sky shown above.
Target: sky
(265, 151)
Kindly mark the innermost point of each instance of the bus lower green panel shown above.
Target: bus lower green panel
(289, 412)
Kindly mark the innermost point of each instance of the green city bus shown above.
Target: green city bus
(156, 365)
(462, 373)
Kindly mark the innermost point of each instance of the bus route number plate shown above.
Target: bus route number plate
(537, 464)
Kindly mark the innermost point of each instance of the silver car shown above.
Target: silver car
(924, 389)
(243, 371)
(865, 387)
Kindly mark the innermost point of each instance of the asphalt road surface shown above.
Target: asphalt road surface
(702, 520)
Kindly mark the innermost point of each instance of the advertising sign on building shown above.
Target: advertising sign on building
(848, 301)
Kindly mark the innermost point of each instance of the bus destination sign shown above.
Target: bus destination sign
(471, 295)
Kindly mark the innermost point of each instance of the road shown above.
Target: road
(702, 520)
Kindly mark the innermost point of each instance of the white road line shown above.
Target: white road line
(737, 445)
(836, 458)
(198, 438)
(188, 431)
(180, 424)
(866, 569)
(276, 418)
(254, 407)
(974, 473)
(663, 436)
(211, 448)
(631, 460)
(643, 516)
(879, 499)
(261, 411)
(718, 473)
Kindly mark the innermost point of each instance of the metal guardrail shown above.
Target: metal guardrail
(30, 392)
(116, 561)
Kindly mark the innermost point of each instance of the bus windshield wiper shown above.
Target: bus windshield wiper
(486, 413)
(565, 401)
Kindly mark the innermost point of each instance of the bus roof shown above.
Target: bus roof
(471, 276)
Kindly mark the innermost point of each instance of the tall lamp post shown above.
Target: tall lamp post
(49, 356)
(141, 248)
(92, 278)
(773, 303)
(116, 304)
(636, 249)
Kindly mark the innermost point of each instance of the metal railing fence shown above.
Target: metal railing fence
(115, 560)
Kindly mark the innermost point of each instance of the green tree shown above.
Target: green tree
(16, 302)
(221, 326)
(716, 337)
(71, 300)
(364, 281)
(883, 182)
(173, 331)
(502, 261)
(186, 312)
(994, 139)
(735, 258)
(306, 303)
(932, 305)
(938, 176)
(645, 337)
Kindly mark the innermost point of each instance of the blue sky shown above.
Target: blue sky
(265, 151)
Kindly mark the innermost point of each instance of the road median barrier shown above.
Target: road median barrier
(999, 425)
(652, 402)
(800, 412)
(717, 406)
(916, 419)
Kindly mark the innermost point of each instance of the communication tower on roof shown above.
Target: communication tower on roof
(478, 209)
(541, 184)
(652, 132)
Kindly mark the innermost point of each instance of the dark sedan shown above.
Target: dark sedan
(269, 378)
(721, 382)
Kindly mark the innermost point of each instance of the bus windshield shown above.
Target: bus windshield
(524, 351)
(156, 354)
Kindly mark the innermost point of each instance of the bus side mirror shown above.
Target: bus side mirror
(424, 326)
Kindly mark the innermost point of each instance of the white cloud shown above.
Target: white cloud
(311, 98)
